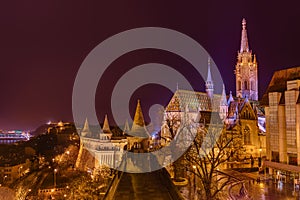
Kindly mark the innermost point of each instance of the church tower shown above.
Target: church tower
(246, 69)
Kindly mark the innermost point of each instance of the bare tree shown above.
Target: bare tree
(211, 149)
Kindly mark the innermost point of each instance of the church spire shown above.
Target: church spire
(244, 38)
(106, 128)
(209, 83)
(246, 69)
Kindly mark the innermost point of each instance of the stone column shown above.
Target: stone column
(282, 134)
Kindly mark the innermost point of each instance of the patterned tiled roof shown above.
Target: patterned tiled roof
(193, 101)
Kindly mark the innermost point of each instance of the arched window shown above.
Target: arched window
(239, 85)
(245, 85)
(247, 135)
(252, 85)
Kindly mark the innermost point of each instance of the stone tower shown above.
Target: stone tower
(246, 69)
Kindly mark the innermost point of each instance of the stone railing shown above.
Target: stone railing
(168, 183)
(109, 195)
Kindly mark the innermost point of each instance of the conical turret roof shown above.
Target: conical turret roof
(126, 128)
(86, 132)
(138, 128)
(86, 126)
(106, 128)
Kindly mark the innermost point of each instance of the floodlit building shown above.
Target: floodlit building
(282, 109)
(241, 114)
(98, 146)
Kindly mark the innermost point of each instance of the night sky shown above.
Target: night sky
(43, 44)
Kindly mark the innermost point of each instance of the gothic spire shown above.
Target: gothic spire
(244, 38)
(208, 71)
(106, 128)
(209, 83)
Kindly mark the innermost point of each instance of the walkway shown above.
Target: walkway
(153, 186)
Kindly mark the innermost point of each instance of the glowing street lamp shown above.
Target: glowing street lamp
(194, 167)
(54, 171)
(20, 171)
(4, 178)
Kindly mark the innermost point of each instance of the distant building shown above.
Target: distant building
(282, 109)
(10, 137)
(100, 147)
(9, 173)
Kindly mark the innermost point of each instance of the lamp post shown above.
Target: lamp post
(194, 167)
(54, 171)
(259, 159)
(4, 179)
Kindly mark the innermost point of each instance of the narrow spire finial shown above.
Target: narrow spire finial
(208, 70)
(177, 87)
(244, 23)
(209, 83)
(244, 38)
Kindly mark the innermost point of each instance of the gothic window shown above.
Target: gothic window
(245, 85)
(246, 114)
(252, 85)
(239, 85)
(247, 135)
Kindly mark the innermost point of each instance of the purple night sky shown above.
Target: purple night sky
(43, 44)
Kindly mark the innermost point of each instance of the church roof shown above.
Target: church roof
(195, 101)
(279, 82)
